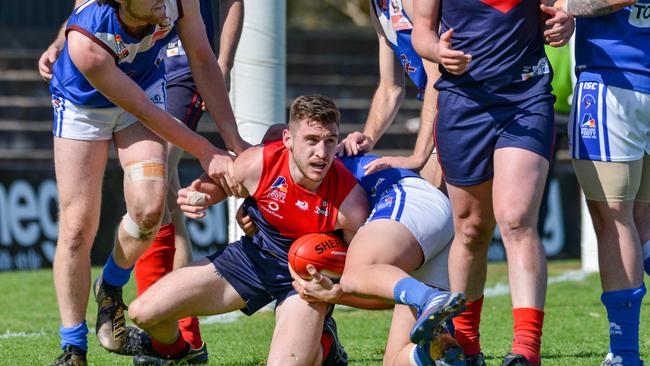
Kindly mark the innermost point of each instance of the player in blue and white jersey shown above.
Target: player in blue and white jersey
(494, 134)
(107, 85)
(400, 255)
(609, 141)
(392, 22)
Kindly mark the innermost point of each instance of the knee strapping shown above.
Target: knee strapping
(133, 229)
(152, 169)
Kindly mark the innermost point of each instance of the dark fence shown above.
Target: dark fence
(34, 14)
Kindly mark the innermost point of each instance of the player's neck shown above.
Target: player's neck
(300, 179)
(135, 27)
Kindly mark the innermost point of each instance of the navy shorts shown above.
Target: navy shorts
(468, 131)
(258, 277)
(185, 103)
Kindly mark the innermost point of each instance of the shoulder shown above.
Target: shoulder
(248, 167)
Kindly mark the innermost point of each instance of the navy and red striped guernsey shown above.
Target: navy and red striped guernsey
(506, 42)
(284, 211)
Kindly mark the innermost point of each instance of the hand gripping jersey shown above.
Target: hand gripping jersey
(614, 49)
(176, 62)
(139, 58)
(397, 27)
(505, 40)
(284, 211)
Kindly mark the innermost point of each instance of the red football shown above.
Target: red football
(324, 251)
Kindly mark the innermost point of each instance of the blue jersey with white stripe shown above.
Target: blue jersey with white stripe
(138, 58)
(176, 62)
(377, 183)
(614, 49)
(505, 40)
(397, 28)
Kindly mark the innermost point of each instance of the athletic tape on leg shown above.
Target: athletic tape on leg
(135, 230)
(145, 170)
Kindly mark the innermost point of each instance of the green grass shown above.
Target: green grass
(575, 329)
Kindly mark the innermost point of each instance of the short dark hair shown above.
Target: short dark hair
(112, 3)
(316, 108)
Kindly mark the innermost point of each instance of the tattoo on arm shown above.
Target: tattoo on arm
(593, 7)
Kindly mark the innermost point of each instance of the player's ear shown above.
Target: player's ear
(287, 138)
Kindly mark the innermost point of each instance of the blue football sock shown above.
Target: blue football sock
(646, 257)
(412, 292)
(115, 275)
(623, 311)
(75, 336)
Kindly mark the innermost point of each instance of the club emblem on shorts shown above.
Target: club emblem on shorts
(588, 101)
(588, 127)
(386, 201)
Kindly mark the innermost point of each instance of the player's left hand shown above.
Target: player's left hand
(318, 289)
(46, 61)
(245, 222)
(192, 201)
(353, 144)
(386, 162)
(559, 26)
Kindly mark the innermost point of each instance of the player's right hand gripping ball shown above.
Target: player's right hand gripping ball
(326, 252)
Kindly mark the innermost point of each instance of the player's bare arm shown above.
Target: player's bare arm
(424, 143)
(426, 19)
(592, 8)
(53, 50)
(321, 289)
(352, 213)
(232, 21)
(386, 101)
(98, 66)
(207, 75)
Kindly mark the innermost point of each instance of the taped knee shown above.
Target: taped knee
(152, 169)
(133, 229)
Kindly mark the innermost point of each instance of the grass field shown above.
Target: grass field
(575, 329)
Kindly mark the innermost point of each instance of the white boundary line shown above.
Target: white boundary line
(9, 334)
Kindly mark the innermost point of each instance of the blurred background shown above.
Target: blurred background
(331, 49)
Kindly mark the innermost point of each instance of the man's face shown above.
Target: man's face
(312, 147)
(149, 11)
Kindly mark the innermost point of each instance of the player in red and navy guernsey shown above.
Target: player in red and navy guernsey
(494, 133)
(294, 187)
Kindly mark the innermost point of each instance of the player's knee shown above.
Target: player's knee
(139, 314)
(514, 223)
(475, 235)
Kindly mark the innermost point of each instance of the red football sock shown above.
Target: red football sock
(528, 333)
(157, 260)
(326, 341)
(191, 332)
(466, 327)
(170, 350)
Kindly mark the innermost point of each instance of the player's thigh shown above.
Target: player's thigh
(607, 181)
(398, 336)
(79, 167)
(432, 172)
(384, 241)
(142, 155)
(197, 289)
(518, 186)
(297, 333)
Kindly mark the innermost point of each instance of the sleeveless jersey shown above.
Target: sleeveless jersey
(284, 211)
(176, 62)
(505, 40)
(376, 183)
(397, 27)
(614, 49)
(138, 58)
